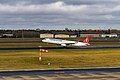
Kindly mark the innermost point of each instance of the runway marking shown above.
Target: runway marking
(84, 76)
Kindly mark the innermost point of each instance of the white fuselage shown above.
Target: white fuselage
(64, 42)
(80, 44)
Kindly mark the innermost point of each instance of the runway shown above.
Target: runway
(63, 74)
(59, 47)
(58, 71)
(84, 76)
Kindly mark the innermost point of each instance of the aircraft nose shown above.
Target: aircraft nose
(43, 40)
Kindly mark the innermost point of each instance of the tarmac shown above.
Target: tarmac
(63, 74)
(83, 76)
(60, 47)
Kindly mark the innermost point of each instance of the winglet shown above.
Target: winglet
(87, 40)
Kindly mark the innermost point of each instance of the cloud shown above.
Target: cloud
(59, 6)
(41, 8)
(64, 12)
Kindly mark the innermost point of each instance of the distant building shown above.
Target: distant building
(46, 35)
(0, 35)
(73, 36)
(7, 35)
(26, 34)
(92, 35)
(109, 35)
(61, 36)
(119, 35)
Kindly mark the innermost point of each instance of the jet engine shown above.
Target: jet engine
(63, 45)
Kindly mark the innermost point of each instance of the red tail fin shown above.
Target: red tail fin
(87, 40)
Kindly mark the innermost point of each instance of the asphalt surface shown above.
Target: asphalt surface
(83, 76)
(52, 47)
(58, 71)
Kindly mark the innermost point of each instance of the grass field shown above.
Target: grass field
(16, 60)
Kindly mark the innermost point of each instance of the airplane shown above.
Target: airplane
(66, 43)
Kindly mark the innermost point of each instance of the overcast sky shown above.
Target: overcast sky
(60, 14)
